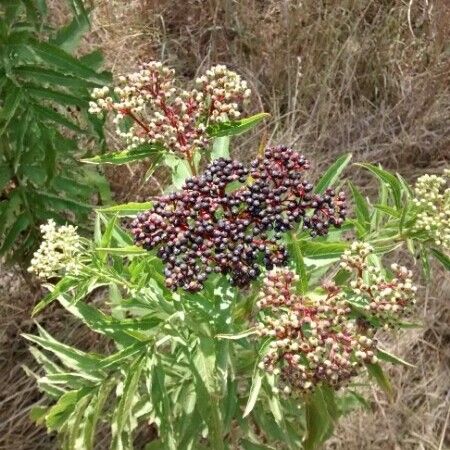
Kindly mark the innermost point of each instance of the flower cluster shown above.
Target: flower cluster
(433, 205)
(230, 219)
(59, 253)
(225, 90)
(323, 338)
(383, 299)
(162, 113)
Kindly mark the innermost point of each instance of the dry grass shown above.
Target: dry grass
(369, 76)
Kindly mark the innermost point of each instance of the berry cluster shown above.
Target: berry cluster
(163, 113)
(279, 196)
(321, 340)
(433, 208)
(230, 219)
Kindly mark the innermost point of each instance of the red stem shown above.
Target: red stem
(137, 120)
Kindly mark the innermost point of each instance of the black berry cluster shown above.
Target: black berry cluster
(230, 219)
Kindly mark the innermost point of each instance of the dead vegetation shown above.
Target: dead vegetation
(370, 77)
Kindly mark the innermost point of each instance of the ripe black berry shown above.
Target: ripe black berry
(213, 225)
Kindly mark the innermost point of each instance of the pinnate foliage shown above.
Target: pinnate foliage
(44, 93)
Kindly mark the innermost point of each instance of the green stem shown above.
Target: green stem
(189, 159)
(217, 442)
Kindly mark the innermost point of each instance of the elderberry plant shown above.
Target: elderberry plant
(241, 308)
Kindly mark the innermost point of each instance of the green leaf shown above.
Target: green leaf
(79, 9)
(11, 9)
(58, 97)
(69, 36)
(296, 252)
(350, 401)
(108, 325)
(333, 173)
(126, 209)
(63, 286)
(64, 62)
(73, 358)
(362, 207)
(267, 423)
(221, 148)
(94, 60)
(389, 179)
(180, 169)
(71, 379)
(163, 404)
(51, 77)
(330, 398)
(21, 223)
(63, 409)
(5, 176)
(45, 362)
(101, 184)
(235, 127)
(72, 187)
(93, 412)
(205, 360)
(156, 444)
(425, 260)
(63, 203)
(47, 113)
(107, 235)
(126, 156)
(123, 413)
(317, 420)
(32, 12)
(377, 373)
(123, 355)
(48, 140)
(322, 250)
(389, 357)
(388, 210)
(38, 413)
(441, 257)
(10, 105)
(257, 378)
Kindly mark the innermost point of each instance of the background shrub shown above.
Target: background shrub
(44, 126)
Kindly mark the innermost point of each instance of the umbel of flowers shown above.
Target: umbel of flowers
(161, 112)
(231, 218)
(322, 339)
(60, 252)
(433, 204)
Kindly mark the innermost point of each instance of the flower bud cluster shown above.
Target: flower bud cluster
(212, 225)
(161, 112)
(383, 299)
(433, 205)
(59, 253)
(225, 90)
(323, 339)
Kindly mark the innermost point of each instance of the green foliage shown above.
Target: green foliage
(190, 363)
(390, 220)
(236, 127)
(44, 91)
